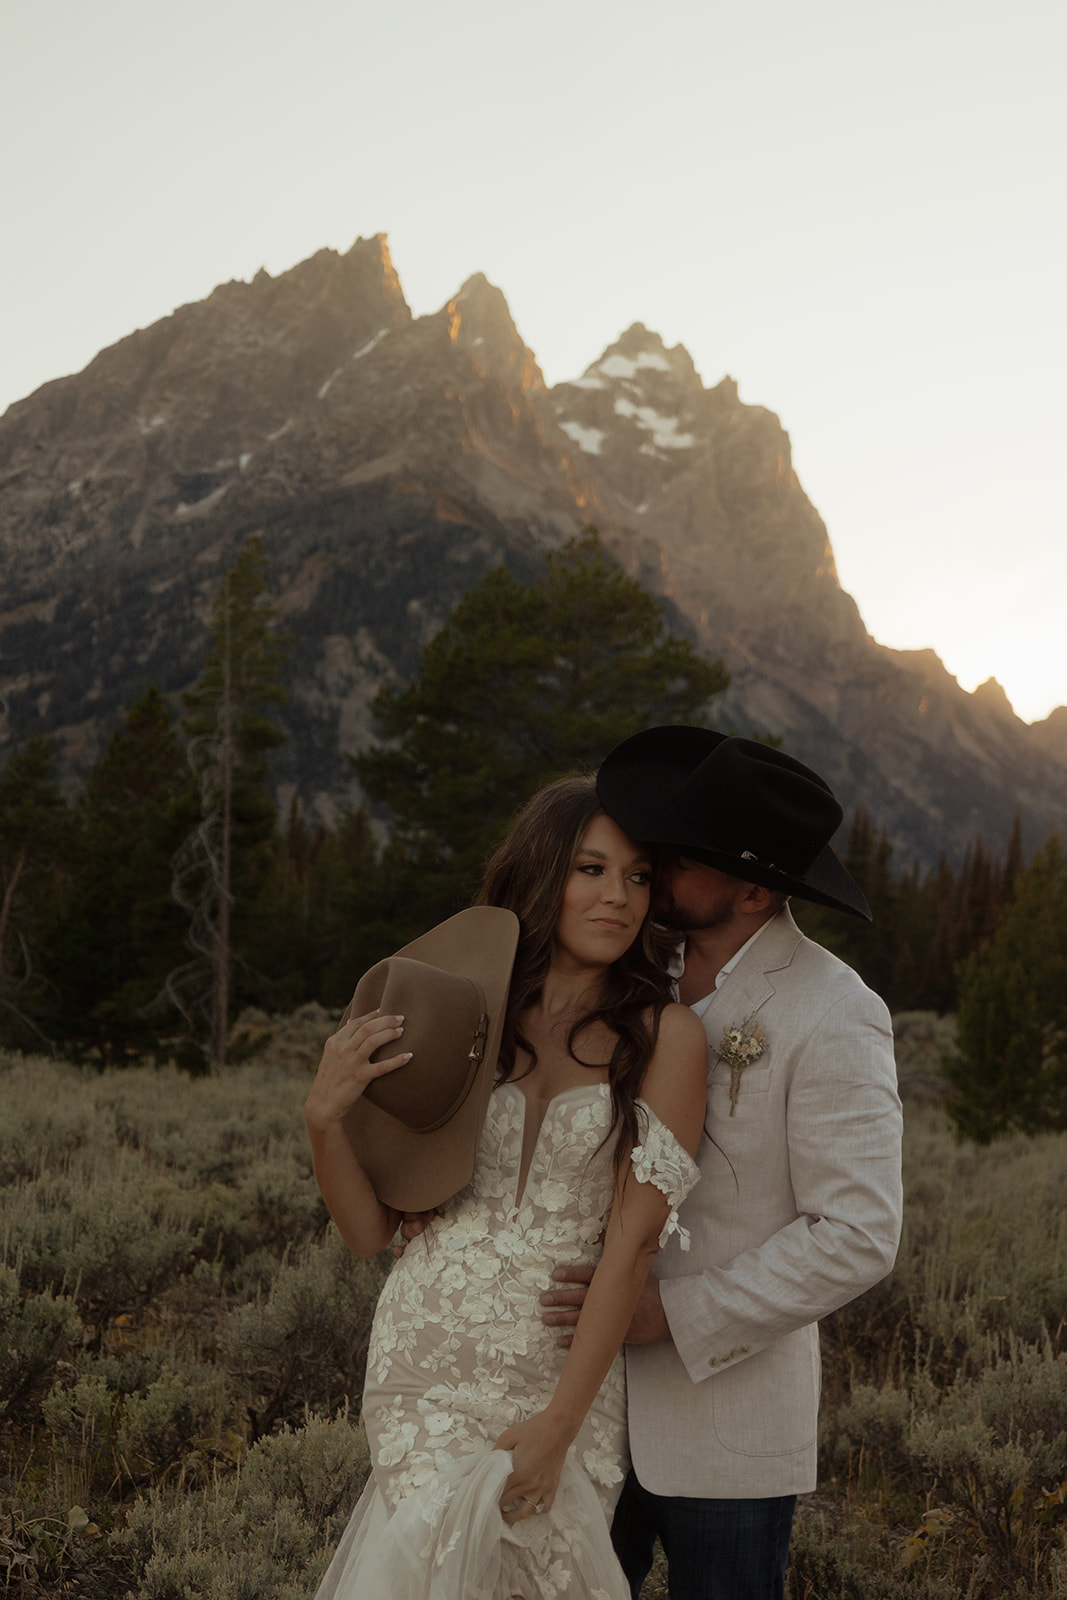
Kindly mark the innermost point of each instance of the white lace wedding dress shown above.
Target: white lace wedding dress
(458, 1353)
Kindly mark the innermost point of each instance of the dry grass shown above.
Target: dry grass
(166, 1389)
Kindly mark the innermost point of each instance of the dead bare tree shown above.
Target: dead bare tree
(228, 742)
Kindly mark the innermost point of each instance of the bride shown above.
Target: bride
(498, 1456)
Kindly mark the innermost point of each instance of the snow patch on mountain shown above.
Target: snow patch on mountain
(587, 439)
(366, 349)
(664, 430)
(618, 366)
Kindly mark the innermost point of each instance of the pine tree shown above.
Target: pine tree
(1013, 862)
(524, 682)
(34, 831)
(368, 913)
(222, 862)
(1010, 1073)
(117, 932)
(292, 934)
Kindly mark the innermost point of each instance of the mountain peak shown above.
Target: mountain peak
(639, 403)
(640, 350)
(372, 256)
(993, 696)
(1050, 735)
(480, 323)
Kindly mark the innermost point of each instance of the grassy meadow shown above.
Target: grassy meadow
(182, 1339)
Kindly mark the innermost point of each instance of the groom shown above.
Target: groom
(798, 1207)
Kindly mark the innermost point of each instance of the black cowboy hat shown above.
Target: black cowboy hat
(743, 807)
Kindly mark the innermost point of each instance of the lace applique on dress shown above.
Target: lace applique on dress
(459, 1353)
(661, 1161)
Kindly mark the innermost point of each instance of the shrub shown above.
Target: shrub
(870, 1438)
(840, 1561)
(990, 1453)
(110, 1239)
(1010, 1071)
(48, 1117)
(36, 1332)
(250, 1227)
(137, 1420)
(82, 1418)
(994, 1449)
(266, 1535)
(322, 1466)
(305, 1346)
(176, 1420)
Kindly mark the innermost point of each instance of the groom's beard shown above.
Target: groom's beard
(711, 913)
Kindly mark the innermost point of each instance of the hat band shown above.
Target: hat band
(768, 866)
(474, 1055)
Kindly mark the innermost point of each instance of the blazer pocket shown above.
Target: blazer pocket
(754, 1080)
(768, 1405)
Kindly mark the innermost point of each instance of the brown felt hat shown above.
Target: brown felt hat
(416, 1129)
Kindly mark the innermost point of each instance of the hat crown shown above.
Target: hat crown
(754, 801)
(446, 1020)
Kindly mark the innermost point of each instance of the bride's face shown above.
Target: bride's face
(606, 898)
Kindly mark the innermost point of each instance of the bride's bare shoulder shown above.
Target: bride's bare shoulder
(680, 1026)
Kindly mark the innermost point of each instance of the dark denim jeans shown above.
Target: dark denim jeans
(715, 1549)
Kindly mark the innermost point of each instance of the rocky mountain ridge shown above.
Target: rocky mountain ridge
(387, 462)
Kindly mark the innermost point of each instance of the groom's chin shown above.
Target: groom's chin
(665, 912)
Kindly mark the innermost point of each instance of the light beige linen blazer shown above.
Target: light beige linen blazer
(797, 1211)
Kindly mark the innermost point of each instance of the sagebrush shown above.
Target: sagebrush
(183, 1338)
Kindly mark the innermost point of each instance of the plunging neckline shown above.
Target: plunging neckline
(561, 1094)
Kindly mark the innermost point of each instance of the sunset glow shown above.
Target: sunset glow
(851, 210)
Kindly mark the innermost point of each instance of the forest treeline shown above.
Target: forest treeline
(138, 919)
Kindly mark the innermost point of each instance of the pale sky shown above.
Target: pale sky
(855, 209)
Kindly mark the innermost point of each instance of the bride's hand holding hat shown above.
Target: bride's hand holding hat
(346, 1067)
(415, 1132)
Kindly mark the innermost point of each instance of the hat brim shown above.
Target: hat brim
(637, 785)
(416, 1171)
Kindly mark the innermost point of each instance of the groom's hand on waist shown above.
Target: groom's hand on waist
(562, 1304)
(414, 1223)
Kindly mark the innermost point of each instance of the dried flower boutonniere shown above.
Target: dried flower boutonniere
(742, 1043)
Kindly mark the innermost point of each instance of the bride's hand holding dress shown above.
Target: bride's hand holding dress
(674, 1089)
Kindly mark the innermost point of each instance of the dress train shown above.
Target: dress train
(447, 1542)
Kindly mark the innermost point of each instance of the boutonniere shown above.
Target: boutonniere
(742, 1043)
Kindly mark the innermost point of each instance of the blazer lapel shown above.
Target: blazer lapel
(749, 986)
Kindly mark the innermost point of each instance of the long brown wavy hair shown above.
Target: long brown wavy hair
(528, 875)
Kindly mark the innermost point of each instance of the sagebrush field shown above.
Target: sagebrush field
(182, 1339)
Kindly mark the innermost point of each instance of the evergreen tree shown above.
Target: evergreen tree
(868, 858)
(117, 932)
(1011, 1069)
(368, 914)
(34, 831)
(293, 933)
(525, 682)
(221, 865)
(925, 921)
(1013, 863)
(937, 987)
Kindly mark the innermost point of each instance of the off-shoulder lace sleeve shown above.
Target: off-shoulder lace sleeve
(661, 1160)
